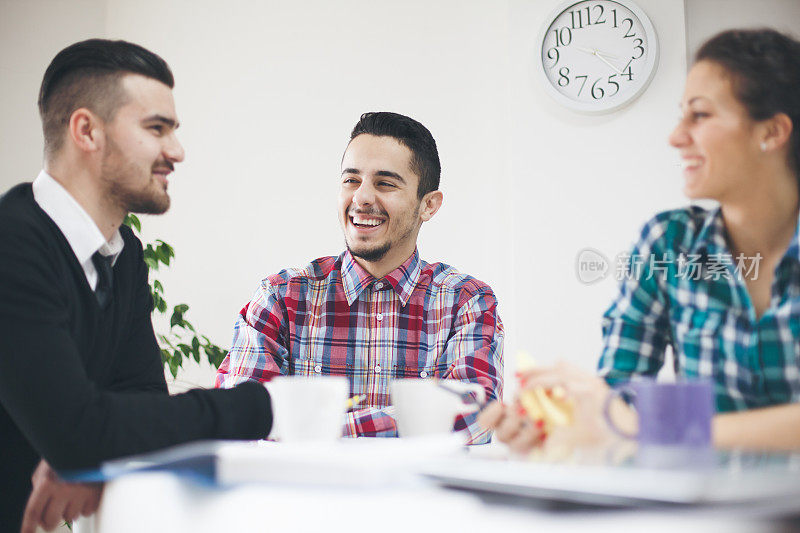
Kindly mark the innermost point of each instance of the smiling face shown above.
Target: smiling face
(141, 147)
(717, 139)
(379, 209)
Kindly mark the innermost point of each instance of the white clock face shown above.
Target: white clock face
(598, 55)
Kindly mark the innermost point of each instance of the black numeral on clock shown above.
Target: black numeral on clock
(563, 36)
(638, 47)
(554, 55)
(628, 33)
(563, 77)
(577, 16)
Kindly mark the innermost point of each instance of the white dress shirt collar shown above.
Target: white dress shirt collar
(83, 235)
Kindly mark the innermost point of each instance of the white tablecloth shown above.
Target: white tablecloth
(163, 502)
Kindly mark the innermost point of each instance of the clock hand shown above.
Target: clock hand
(596, 52)
(607, 62)
(587, 50)
(609, 56)
(600, 56)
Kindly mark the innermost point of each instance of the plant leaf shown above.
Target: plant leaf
(185, 342)
(174, 363)
(132, 221)
(168, 250)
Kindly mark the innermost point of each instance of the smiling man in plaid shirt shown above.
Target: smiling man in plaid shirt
(377, 312)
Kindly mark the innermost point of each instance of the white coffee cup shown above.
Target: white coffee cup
(308, 409)
(423, 407)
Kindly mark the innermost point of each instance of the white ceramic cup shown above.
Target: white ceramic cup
(308, 409)
(422, 407)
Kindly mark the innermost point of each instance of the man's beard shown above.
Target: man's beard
(143, 202)
(373, 255)
(152, 199)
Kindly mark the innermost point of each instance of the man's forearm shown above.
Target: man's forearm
(769, 428)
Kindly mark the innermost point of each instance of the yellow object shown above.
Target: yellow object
(530, 402)
(557, 411)
(355, 400)
(553, 409)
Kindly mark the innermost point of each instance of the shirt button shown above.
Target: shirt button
(379, 285)
(377, 369)
(318, 369)
(423, 374)
(379, 317)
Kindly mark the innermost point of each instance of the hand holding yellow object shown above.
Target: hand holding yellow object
(551, 407)
(548, 408)
(565, 405)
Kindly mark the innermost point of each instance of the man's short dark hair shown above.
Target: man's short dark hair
(88, 74)
(412, 135)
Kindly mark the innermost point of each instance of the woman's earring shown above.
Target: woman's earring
(763, 146)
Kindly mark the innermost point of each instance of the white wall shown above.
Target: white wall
(31, 33)
(592, 181)
(583, 181)
(705, 18)
(268, 92)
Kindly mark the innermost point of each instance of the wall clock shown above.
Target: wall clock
(597, 55)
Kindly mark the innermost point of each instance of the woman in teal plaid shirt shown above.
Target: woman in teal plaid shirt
(721, 287)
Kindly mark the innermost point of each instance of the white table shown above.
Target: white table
(155, 502)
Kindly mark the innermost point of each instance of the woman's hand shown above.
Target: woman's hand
(587, 394)
(511, 426)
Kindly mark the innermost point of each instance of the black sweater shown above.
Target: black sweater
(79, 385)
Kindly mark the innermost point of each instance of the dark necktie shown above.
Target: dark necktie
(105, 279)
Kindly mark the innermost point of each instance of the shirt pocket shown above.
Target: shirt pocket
(707, 345)
(699, 343)
(792, 373)
(780, 354)
(418, 372)
(321, 353)
(788, 361)
(319, 366)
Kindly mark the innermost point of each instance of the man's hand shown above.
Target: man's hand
(53, 500)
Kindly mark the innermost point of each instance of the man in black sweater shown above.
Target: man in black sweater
(81, 379)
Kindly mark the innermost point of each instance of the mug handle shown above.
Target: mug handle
(614, 393)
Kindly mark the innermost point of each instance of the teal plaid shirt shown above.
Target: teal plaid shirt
(682, 288)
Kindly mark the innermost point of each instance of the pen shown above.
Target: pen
(466, 397)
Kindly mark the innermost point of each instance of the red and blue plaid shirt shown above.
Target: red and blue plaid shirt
(333, 318)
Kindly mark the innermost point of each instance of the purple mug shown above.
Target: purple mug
(674, 421)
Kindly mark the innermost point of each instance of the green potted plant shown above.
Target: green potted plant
(182, 340)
